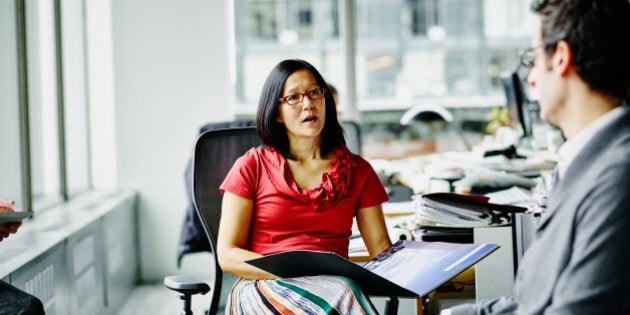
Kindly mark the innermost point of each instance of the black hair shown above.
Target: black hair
(271, 132)
(332, 89)
(597, 32)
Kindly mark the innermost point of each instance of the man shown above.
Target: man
(578, 261)
(12, 300)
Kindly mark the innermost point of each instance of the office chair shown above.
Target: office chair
(193, 237)
(429, 112)
(215, 153)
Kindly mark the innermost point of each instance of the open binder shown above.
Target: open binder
(458, 210)
(409, 269)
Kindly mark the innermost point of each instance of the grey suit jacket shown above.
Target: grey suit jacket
(579, 261)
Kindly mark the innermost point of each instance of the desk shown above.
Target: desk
(494, 275)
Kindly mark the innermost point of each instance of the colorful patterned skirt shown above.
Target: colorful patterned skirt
(302, 295)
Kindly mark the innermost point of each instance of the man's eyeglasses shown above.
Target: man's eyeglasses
(528, 57)
(312, 94)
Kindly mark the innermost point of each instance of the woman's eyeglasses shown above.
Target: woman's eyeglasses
(312, 94)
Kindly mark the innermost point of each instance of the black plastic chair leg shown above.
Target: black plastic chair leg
(391, 306)
(187, 309)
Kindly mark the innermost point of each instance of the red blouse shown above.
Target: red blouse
(288, 218)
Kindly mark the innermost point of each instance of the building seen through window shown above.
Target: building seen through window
(406, 50)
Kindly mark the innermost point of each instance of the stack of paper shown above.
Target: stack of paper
(457, 210)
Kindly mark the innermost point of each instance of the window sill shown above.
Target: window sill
(53, 226)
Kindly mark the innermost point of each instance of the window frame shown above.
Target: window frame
(24, 104)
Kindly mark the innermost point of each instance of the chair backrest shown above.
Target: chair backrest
(193, 238)
(215, 153)
(352, 132)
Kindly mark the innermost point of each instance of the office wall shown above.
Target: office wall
(170, 76)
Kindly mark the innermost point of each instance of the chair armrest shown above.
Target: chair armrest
(186, 284)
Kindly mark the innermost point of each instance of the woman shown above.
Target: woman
(300, 190)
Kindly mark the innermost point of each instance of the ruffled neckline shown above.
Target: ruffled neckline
(334, 186)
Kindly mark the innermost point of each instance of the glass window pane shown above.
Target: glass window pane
(379, 19)
(74, 87)
(407, 51)
(412, 51)
(43, 104)
(267, 32)
(509, 20)
(461, 18)
(101, 116)
(10, 161)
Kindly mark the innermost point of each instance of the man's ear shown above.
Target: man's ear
(563, 58)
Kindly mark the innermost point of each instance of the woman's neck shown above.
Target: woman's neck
(305, 150)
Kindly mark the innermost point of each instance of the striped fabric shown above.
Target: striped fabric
(303, 295)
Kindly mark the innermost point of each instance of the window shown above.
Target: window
(407, 51)
(43, 105)
(44, 151)
(10, 149)
(74, 97)
(450, 51)
(269, 31)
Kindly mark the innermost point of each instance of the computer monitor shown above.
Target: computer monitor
(517, 100)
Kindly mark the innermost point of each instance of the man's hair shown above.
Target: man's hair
(273, 133)
(597, 32)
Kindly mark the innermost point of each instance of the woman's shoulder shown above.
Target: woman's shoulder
(258, 151)
(265, 155)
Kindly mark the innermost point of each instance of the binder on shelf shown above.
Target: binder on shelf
(411, 269)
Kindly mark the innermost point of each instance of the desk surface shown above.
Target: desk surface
(496, 172)
(394, 212)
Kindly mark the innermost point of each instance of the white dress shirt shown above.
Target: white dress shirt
(570, 149)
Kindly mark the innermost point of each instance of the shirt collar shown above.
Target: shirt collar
(570, 149)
